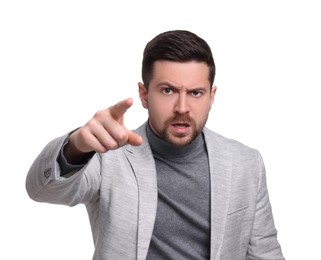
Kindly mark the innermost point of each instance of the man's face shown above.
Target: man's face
(178, 100)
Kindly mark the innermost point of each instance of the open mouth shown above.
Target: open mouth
(181, 125)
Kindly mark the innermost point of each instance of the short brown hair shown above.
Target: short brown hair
(180, 46)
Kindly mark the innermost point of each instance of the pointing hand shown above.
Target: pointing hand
(104, 132)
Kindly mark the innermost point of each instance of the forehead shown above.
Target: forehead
(181, 74)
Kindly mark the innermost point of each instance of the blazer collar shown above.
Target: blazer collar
(142, 161)
(219, 157)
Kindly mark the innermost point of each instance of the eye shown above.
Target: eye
(196, 93)
(167, 91)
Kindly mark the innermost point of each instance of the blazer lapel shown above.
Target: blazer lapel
(142, 161)
(220, 175)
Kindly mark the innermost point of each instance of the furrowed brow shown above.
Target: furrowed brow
(176, 88)
(167, 84)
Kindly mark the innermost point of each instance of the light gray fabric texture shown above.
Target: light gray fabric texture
(119, 189)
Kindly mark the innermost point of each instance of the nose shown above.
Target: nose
(181, 105)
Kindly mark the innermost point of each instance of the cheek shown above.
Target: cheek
(159, 107)
(201, 112)
(158, 112)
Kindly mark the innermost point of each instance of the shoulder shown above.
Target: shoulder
(213, 138)
(244, 164)
(229, 148)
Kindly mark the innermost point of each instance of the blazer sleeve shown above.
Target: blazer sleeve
(263, 242)
(44, 182)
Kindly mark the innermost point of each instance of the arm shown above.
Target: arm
(263, 242)
(45, 182)
(104, 132)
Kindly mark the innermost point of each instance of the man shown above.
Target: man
(172, 189)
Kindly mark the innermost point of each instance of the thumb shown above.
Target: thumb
(134, 139)
(119, 109)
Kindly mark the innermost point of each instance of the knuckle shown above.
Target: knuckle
(121, 137)
(91, 124)
(100, 116)
(113, 145)
(83, 133)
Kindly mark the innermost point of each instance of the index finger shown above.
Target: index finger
(119, 109)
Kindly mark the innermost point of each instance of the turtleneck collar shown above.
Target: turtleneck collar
(167, 149)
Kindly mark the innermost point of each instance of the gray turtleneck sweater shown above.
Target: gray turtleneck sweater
(182, 225)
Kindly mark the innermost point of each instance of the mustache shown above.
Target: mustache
(181, 118)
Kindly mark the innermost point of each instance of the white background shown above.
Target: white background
(61, 61)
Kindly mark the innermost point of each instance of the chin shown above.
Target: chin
(180, 141)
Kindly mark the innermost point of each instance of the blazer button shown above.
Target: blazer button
(47, 173)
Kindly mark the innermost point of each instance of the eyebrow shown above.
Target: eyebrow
(166, 83)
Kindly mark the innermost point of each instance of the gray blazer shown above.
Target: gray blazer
(119, 190)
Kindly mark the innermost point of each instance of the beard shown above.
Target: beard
(180, 139)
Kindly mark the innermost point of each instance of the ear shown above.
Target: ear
(143, 94)
(212, 95)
